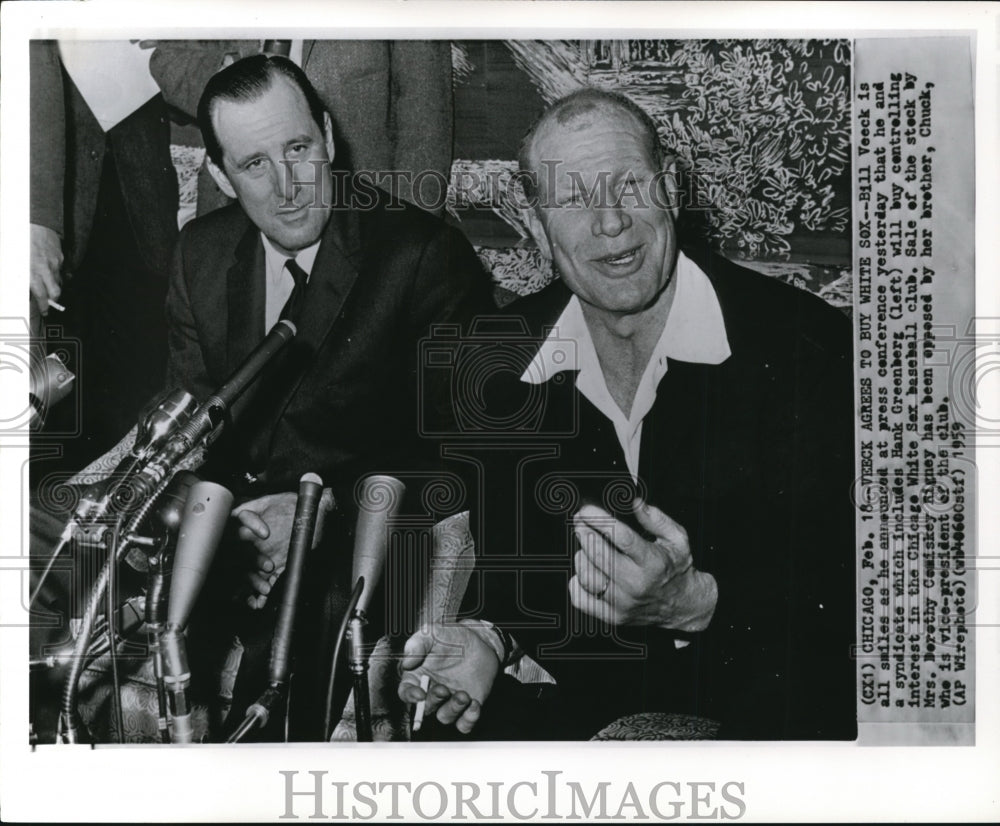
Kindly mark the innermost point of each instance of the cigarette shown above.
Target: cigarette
(55, 305)
(418, 715)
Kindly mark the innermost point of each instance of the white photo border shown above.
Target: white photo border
(781, 781)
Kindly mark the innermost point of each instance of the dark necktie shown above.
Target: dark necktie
(261, 421)
(293, 306)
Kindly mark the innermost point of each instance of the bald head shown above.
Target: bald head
(574, 113)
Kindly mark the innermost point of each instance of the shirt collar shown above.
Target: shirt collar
(694, 331)
(305, 257)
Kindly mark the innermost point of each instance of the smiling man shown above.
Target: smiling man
(360, 276)
(673, 530)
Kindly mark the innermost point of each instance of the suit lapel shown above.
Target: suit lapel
(333, 276)
(245, 296)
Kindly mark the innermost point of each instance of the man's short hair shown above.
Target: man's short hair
(247, 80)
(577, 103)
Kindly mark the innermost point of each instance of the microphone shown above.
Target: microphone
(282, 332)
(303, 528)
(170, 513)
(209, 414)
(206, 510)
(164, 416)
(379, 499)
(170, 505)
(49, 382)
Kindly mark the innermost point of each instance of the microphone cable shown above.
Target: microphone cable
(359, 587)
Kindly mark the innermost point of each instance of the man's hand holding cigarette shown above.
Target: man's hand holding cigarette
(461, 661)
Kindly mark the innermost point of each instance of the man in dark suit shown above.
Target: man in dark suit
(360, 276)
(673, 530)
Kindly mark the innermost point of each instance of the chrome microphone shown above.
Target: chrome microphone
(163, 417)
(210, 413)
(379, 499)
(49, 382)
(206, 511)
(303, 530)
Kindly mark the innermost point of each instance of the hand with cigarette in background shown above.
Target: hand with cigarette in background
(620, 577)
(46, 274)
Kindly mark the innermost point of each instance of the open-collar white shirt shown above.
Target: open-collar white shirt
(694, 332)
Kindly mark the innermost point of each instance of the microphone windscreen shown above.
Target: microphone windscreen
(379, 500)
(170, 504)
(206, 511)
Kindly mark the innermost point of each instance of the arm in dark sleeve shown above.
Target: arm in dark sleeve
(451, 288)
(185, 360)
(48, 135)
(183, 67)
(451, 285)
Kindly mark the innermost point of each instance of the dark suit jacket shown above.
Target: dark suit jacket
(68, 148)
(753, 457)
(112, 197)
(343, 398)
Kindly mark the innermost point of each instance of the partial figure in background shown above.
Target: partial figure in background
(103, 216)
(391, 100)
(103, 227)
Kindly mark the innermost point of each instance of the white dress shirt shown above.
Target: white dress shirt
(694, 332)
(278, 281)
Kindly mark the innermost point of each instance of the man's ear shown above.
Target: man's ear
(220, 178)
(328, 134)
(537, 231)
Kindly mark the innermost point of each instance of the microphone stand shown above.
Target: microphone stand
(303, 529)
(342, 634)
(167, 437)
(155, 592)
(379, 499)
(359, 668)
(173, 433)
(122, 541)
